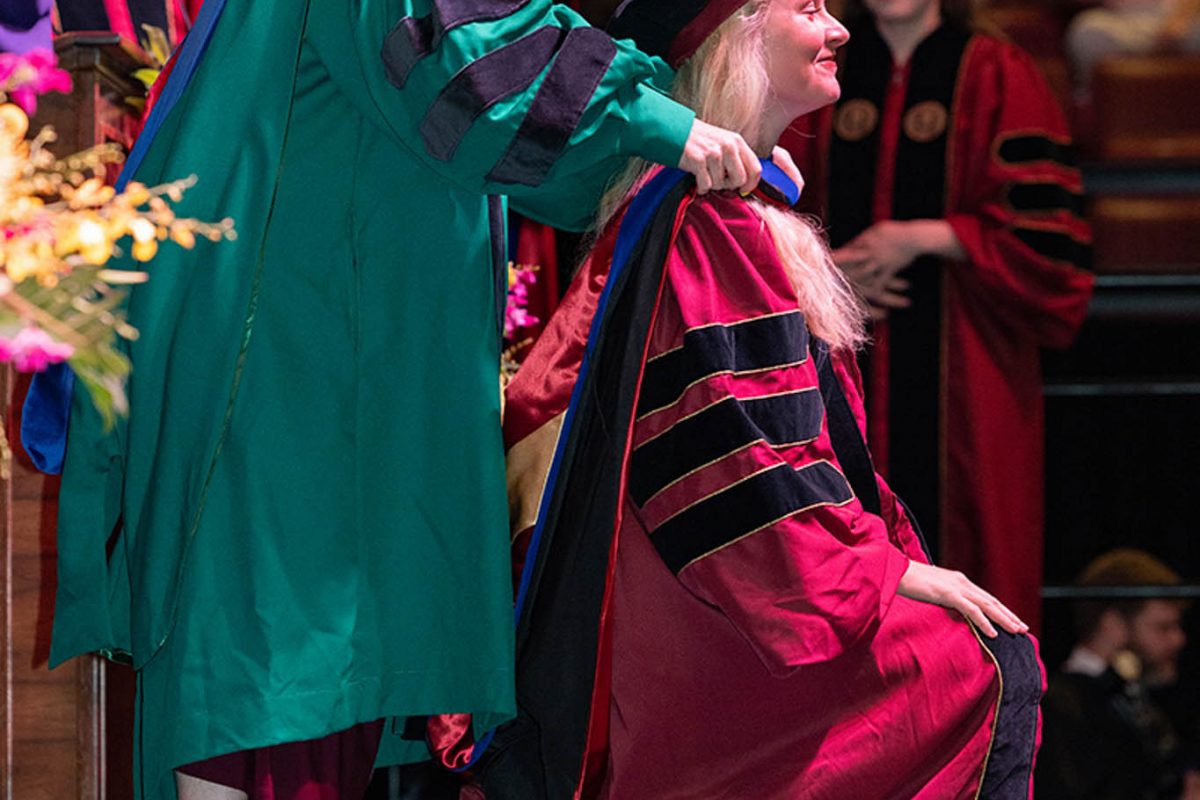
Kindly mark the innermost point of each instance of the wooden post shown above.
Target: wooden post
(65, 733)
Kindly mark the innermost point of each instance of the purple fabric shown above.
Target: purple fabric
(482, 84)
(406, 44)
(557, 109)
(25, 25)
(413, 38)
(1010, 766)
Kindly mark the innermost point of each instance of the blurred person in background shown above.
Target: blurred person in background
(1131, 27)
(1120, 721)
(946, 178)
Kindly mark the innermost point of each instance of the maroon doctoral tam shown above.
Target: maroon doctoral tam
(671, 30)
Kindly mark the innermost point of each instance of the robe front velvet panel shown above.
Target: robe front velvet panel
(909, 180)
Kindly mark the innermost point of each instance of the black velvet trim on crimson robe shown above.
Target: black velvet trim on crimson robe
(918, 192)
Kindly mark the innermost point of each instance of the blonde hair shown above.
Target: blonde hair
(727, 84)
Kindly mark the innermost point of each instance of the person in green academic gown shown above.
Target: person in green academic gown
(301, 525)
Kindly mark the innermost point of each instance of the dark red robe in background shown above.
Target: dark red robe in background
(126, 17)
(968, 132)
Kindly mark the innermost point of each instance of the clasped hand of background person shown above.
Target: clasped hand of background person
(953, 590)
(875, 259)
(721, 160)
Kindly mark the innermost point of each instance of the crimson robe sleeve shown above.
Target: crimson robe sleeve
(1016, 197)
(731, 470)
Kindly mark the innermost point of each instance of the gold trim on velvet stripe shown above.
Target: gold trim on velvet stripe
(996, 713)
(789, 515)
(731, 373)
(726, 487)
(730, 454)
(750, 475)
(717, 402)
(681, 345)
(527, 467)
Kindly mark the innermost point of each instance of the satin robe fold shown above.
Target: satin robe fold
(712, 613)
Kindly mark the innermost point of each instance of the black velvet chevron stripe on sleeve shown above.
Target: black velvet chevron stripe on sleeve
(719, 430)
(747, 507)
(483, 83)
(1044, 198)
(1031, 148)
(757, 344)
(413, 38)
(557, 109)
(407, 43)
(1056, 245)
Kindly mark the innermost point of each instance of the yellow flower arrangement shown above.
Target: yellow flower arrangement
(60, 224)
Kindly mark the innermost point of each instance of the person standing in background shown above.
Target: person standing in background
(946, 179)
(1130, 27)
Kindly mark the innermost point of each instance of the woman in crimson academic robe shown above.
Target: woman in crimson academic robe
(721, 599)
(945, 176)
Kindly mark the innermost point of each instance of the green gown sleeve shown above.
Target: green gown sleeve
(508, 97)
(92, 603)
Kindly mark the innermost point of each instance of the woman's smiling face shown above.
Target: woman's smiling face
(801, 39)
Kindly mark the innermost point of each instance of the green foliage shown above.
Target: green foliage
(85, 311)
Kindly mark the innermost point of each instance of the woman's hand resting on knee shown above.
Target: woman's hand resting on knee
(953, 590)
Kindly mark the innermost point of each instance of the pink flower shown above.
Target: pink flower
(8, 65)
(26, 98)
(26, 76)
(32, 350)
(516, 315)
(515, 318)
